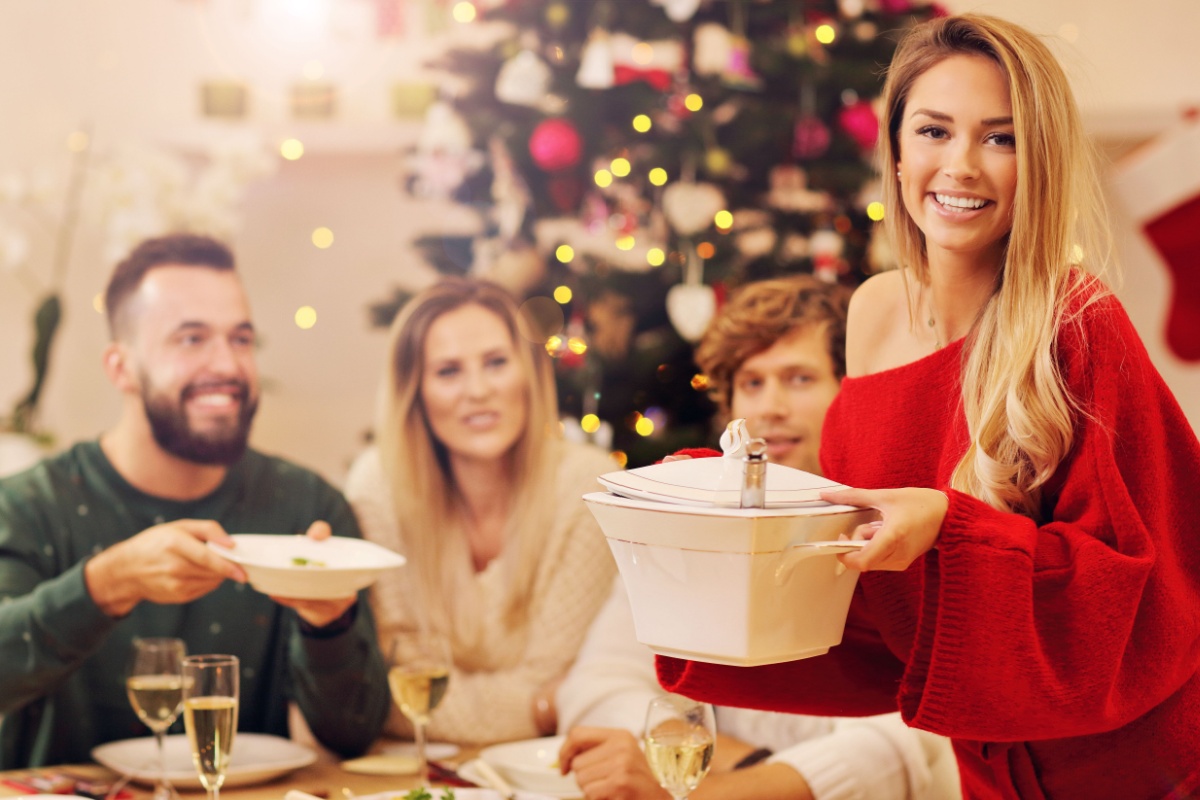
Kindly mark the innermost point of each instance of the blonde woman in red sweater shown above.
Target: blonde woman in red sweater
(1033, 589)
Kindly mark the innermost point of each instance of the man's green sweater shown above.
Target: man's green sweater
(63, 661)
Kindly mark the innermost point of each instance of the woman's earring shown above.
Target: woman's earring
(897, 173)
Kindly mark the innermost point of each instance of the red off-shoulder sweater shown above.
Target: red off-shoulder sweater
(1062, 658)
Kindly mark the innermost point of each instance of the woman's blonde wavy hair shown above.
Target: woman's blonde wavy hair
(1020, 414)
(428, 502)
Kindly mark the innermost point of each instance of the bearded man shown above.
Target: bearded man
(108, 541)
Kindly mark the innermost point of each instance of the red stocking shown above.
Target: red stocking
(1160, 187)
(1176, 236)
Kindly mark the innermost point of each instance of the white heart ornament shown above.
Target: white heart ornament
(690, 207)
(691, 308)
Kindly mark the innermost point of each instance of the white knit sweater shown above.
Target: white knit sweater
(868, 758)
(493, 703)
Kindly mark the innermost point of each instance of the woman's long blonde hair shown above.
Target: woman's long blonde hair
(427, 501)
(1020, 414)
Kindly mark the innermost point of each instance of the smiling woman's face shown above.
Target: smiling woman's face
(958, 159)
(473, 388)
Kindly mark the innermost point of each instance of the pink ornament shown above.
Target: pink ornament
(555, 145)
(858, 120)
(811, 138)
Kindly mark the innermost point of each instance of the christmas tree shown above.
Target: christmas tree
(635, 159)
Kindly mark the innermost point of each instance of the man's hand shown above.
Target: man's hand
(318, 613)
(609, 765)
(168, 564)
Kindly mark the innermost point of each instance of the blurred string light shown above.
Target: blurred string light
(626, 242)
(644, 426)
(642, 123)
(693, 102)
(603, 178)
(77, 141)
(464, 12)
(700, 382)
(620, 457)
(577, 346)
(875, 211)
(563, 294)
(590, 423)
(655, 257)
(306, 317)
(322, 237)
(620, 167)
(554, 344)
(825, 33)
(706, 250)
(291, 149)
(723, 219)
(658, 176)
(564, 253)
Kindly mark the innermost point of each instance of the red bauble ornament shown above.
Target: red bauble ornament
(811, 138)
(858, 120)
(555, 145)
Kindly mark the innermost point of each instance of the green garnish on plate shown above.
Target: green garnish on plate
(301, 561)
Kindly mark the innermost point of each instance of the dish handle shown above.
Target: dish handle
(800, 551)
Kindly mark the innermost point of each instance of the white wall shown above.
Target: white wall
(132, 68)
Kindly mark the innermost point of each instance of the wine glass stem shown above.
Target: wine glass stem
(160, 791)
(419, 735)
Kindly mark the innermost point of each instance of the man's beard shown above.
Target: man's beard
(169, 424)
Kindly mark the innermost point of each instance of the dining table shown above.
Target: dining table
(324, 778)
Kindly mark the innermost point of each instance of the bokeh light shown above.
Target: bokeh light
(642, 123)
(564, 253)
(643, 53)
(291, 149)
(620, 167)
(693, 102)
(621, 457)
(77, 141)
(306, 317)
(625, 242)
(655, 257)
(644, 426)
(700, 382)
(563, 295)
(875, 211)
(464, 12)
(723, 219)
(603, 178)
(706, 250)
(98, 302)
(658, 176)
(590, 423)
(540, 318)
(825, 34)
(577, 346)
(322, 237)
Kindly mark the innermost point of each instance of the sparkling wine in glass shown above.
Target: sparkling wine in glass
(155, 687)
(210, 710)
(679, 739)
(418, 675)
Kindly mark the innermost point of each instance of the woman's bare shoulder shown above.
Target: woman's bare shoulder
(877, 307)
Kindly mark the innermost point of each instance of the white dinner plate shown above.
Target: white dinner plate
(460, 793)
(530, 764)
(257, 758)
(715, 482)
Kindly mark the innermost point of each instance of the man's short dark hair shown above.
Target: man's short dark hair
(186, 249)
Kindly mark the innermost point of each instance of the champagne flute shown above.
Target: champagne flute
(154, 683)
(679, 738)
(418, 674)
(210, 709)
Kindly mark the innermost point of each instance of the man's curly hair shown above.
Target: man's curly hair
(760, 314)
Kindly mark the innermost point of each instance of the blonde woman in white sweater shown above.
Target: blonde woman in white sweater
(470, 480)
